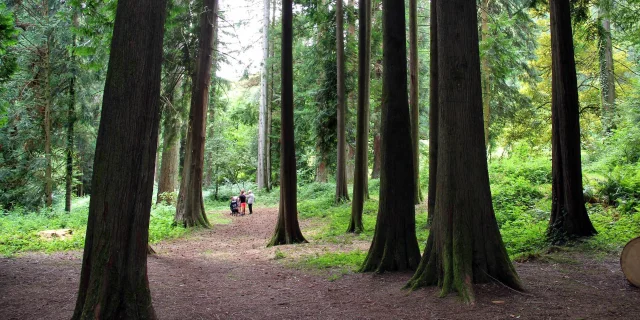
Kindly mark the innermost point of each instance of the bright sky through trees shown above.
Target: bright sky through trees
(240, 38)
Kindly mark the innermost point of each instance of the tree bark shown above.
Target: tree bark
(263, 144)
(71, 119)
(362, 137)
(287, 229)
(46, 87)
(607, 76)
(486, 72)
(190, 209)
(414, 94)
(342, 192)
(113, 281)
(433, 112)
(569, 217)
(377, 158)
(464, 245)
(394, 245)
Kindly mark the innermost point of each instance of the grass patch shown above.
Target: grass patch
(336, 264)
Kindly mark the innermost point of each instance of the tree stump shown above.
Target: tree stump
(630, 261)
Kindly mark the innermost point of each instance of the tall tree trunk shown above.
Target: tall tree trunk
(607, 76)
(113, 281)
(342, 192)
(414, 94)
(569, 217)
(71, 119)
(486, 72)
(433, 112)
(287, 228)
(271, 101)
(190, 209)
(362, 137)
(46, 85)
(394, 245)
(464, 245)
(263, 142)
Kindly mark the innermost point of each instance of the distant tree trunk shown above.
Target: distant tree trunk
(190, 209)
(168, 176)
(464, 245)
(271, 101)
(71, 119)
(362, 137)
(607, 77)
(287, 228)
(414, 94)
(263, 142)
(113, 281)
(377, 158)
(46, 85)
(433, 113)
(322, 171)
(486, 72)
(394, 245)
(569, 217)
(342, 192)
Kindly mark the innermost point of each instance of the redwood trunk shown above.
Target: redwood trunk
(287, 228)
(113, 281)
(362, 137)
(414, 94)
(263, 142)
(607, 76)
(342, 192)
(486, 72)
(377, 158)
(394, 245)
(569, 217)
(71, 119)
(433, 113)
(190, 209)
(464, 245)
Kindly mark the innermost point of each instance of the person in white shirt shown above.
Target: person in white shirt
(250, 200)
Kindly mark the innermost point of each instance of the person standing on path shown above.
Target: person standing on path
(243, 202)
(250, 199)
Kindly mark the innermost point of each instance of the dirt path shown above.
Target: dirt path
(227, 273)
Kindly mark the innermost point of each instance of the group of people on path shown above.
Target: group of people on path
(239, 203)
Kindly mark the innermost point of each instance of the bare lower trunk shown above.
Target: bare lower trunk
(261, 174)
(377, 159)
(190, 209)
(71, 119)
(569, 217)
(394, 245)
(362, 138)
(464, 245)
(342, 193)
(287, 229)
(113, 280)
(607, 76)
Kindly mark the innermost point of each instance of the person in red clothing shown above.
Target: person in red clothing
(243, 202)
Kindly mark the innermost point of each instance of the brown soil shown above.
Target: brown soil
(227, 273)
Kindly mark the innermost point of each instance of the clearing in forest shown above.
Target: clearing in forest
(228, 273)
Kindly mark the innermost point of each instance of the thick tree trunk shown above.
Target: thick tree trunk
(190, 209)
(607, 77)
(464, 245)
(486, 72)
(263, 144)
(569, 217)
(322, 172)
(433, 113)
(394, 245)
(113, 281)
(287, 229)
(414, 95)
(342, 192)
(362, 137)
(71, 119)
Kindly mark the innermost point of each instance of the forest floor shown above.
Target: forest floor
(228, 273)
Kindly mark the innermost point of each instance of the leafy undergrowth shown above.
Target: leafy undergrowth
(19, 229)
